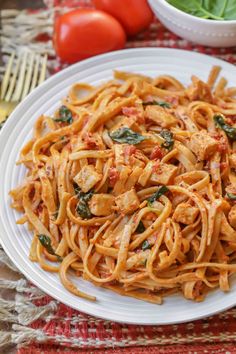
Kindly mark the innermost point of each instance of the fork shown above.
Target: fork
(22, 74)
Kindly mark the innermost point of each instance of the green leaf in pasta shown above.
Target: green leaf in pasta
(126, 136)
(46, 243)
(220, 122)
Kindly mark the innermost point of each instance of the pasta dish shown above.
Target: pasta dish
(132, 186)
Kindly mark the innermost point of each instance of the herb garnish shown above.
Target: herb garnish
(156, 103)
(220, 122)
(214, 9)
(155, 196)
(140, 228)
(82, 207)
(231, 196)
(46, 243)
(126, 135)
(146, 245)
(65, 115)
(169, 141)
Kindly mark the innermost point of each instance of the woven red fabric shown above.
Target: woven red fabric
(67, 330)
(183, 349)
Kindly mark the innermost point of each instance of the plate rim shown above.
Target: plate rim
(79, 67)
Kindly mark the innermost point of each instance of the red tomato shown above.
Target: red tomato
(82, 33)
(134, 15)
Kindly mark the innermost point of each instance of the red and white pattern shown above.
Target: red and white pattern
(57, 328)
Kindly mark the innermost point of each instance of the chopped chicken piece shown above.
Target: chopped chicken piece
(143, 179)
(127, 202)
(203, 145)
(232, 160)
(160, 116)
(119, 154)
(87, 178)
(101, 204)
(164, 173)
(185, 213)
(232, 217)
(124, 122)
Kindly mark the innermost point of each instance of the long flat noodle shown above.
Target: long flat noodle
(150, 89)
(47, 193)
(153, 298)
(62, 209)
(112, 109)
(43, 264)
(32, 217)
(86, 222)
(203, 213)
(95, 91)
(67, 261)
(91, 154)
(55, 135)
(139, 237)
(157, 223)
(123, 251)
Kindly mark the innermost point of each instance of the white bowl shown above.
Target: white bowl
(211, 33)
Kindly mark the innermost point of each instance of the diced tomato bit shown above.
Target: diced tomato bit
(40, 165)
(197, 288)
(223, 165)
(40, 208)
(150, 216)
(132, 111)
(172, 99)
(129, 150)
(223, 143)
(113, 176)
(129, 111)
(229, 121)
(90, 141)
(156, 153)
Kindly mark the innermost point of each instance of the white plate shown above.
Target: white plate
(16, 239)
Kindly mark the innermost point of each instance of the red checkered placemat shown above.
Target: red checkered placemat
(43, 325)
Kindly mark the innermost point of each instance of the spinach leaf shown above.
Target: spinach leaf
(155, 196)
(156, 103)
(146, 245)
(220, 122)
(83, 210)
(214, 9)
(65, 115)
(46, 243)
(229, 10)
(82, 207)
(169, 141)
(140, 228)
(126, 135)
(231, 196)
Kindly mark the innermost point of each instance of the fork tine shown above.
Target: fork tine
(20, 82)
(28, 76)
(43, 69)
(35, 73)
(13, 81)
(6, 78)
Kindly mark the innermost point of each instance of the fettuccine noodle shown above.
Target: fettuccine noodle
(132, 186)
